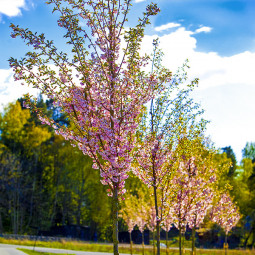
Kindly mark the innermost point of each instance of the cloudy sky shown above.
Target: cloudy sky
(217, 36)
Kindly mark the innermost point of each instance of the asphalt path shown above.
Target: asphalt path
(8, 249)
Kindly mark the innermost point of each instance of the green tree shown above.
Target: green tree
(231, 155)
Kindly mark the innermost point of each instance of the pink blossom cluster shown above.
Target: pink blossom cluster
(131, 224)
(191, 196)
(152, 219)
(106, 123)
(141, 218)
(153, 158)
(101, 94)
(225, 212)
(168, 221)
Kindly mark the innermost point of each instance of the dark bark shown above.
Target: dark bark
(115, 222)
(180, 242)
(226, 244)
(193, 240)
(166, 242)
(157, 213)
(131, 244)
(143, 242)
(158, 237)
(154, 249)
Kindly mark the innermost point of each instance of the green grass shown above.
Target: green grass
(174, 242)
(123, 248)
(31, 252)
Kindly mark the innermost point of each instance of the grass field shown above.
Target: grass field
(123, 248)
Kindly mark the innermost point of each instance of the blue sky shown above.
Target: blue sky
(217, 36)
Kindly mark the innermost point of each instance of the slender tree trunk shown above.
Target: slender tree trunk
(158, 237)
(183, 240)
(115, 222)
(157, 215)
(166, 242)
(131, 243)
(226, 244)
(143, 242)
(154, 248)
(180, 242)
(193, 240)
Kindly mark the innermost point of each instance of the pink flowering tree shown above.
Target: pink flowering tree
(225, 213)
(182, 198)
(193, 189)
(99, 87)
(168, 114)
(202, 203)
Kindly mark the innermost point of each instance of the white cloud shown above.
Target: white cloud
(11, 90)
(226, 88)
(139, 1)
(212, 69)
(167, 26)
(11, 7)
(203, 30)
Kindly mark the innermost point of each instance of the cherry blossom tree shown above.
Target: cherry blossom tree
(98, 86)
(225, 213)
(193, 185)
(169, 113)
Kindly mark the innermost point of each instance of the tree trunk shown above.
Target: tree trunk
(154, 249)
(193, 240)
(158, 237)
(183, 240)
(226, 244)
(157, 216)
(166, 242)
(131, 243)
(180, 242)
(143, 242)
(115, 222)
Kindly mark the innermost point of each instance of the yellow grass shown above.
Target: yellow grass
(123, 248)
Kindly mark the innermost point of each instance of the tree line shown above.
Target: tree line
(45, 182)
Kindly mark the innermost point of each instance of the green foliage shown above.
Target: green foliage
(249, 151)
(230, 154)
(44, 180)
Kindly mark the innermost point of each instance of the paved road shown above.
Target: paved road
(10, 251)
(6, 249)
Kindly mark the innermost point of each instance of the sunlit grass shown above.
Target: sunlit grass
(123, 248)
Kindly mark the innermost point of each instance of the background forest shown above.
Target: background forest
(46, 183)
